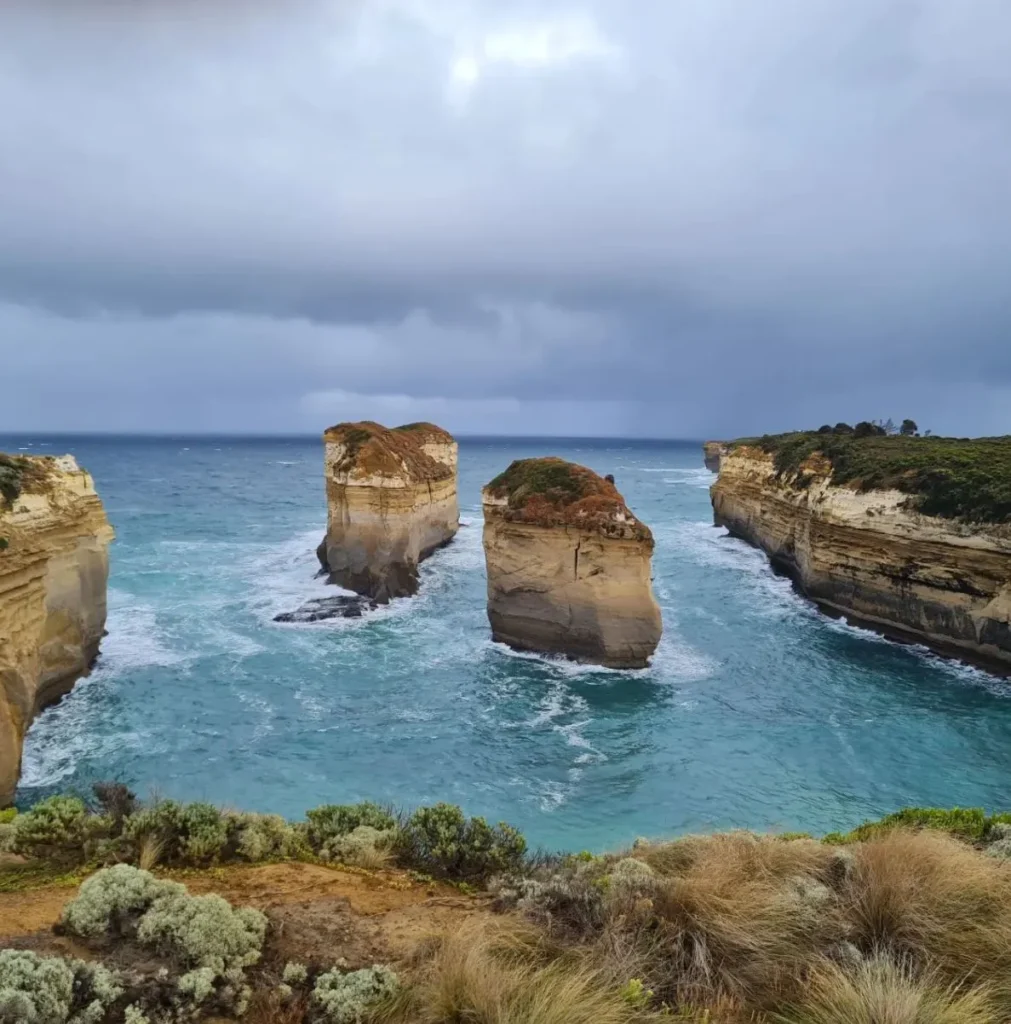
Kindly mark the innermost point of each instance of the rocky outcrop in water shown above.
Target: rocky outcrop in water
(54, 567)
(325, 609)
(871, 556)
(392, 501)
(568, 566)
(713, 452)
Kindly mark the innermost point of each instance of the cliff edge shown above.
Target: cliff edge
(391, 501)
(909, 536)
(568, 566)
(54, 567)
(713, 452)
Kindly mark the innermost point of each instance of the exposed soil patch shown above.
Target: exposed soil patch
(318, 915)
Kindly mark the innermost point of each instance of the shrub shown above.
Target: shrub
(7, 816)
(333, 821)
(881, 990)
(57, 828)
(443, 841)
(112, 901)
(115, 800)
(366, 847)
(49, 990)
(203, 931)
(261, 837)
(187, 833)
(345, 998)
(204, 935)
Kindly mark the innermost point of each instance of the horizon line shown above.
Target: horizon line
(303, 436)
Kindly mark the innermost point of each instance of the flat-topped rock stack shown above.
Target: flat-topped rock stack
(391, 500)
(568, 566)
(54, 568)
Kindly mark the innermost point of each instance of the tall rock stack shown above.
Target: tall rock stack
(392, 501)
(54, 567)
(568, 566)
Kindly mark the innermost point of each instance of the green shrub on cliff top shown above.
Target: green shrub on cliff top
(949, 477)
(55, 829)
(443, 841)
(334, 821)
(188, 833)
(971, 824)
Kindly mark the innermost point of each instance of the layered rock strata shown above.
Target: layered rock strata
(713, 452)
(869, 556)
(54, 568)
(568, 566)
(392, 501)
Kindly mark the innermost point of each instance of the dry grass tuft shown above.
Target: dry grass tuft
(881, 991)
(738, 916)
(267, 1006)
(504, 975)
(150, 853)
(936, 902)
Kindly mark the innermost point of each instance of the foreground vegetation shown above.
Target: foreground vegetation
(955, 478)
(906, 920)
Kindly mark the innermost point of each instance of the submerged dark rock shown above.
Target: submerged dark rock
(341, 606)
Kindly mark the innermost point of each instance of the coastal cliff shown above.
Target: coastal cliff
(568, 566)
(391, 500)
(852, 529)
(54, 567)
(713, 452)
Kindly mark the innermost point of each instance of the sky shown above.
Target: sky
(660, 218)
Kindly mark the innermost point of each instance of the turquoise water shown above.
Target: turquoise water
(757, 711)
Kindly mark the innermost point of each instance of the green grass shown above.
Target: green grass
(948, 477)
(972, 824)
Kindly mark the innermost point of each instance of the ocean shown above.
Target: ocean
(757, 712)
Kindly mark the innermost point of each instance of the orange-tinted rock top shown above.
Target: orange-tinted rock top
(553, 492)
(375, 450)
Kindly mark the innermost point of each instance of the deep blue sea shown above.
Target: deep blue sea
(757, 711)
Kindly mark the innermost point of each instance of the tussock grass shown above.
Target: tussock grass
(882, 991)
(498, 975)
(932, 900)
(738, 916)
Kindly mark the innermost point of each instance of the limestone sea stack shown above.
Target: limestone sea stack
(713, 451)
(568, 566)
(54, 567)
(908, 536)
(392, 501)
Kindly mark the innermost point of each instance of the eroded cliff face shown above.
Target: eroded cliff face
(867, 556)
(54, 567)
(713, 451)
(569, 572)
(392, 501)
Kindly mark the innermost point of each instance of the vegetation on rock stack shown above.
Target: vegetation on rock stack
(372, 448)
(552, 492)
(949, 477)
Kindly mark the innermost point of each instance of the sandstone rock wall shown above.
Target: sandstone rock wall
(53, 571)
(863, 555)
(564, 581)
(392, 501)
(713, 452)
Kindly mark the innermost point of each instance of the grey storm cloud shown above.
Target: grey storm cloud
(702, 216)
